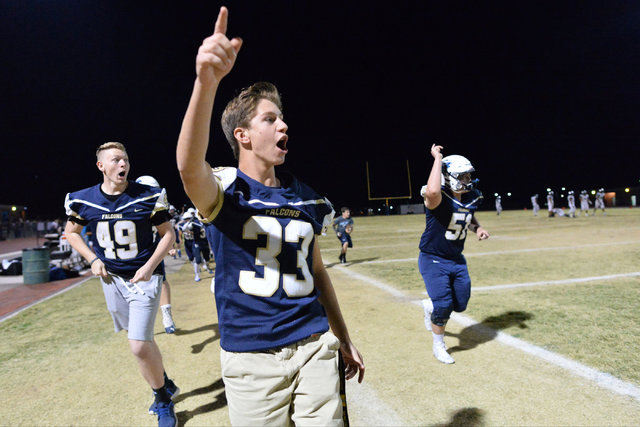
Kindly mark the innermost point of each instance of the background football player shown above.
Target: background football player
(343, 226)
(534, 204)
(599, 202)
(451, 200)
(121, 216)
(571, 201)
(584, 202)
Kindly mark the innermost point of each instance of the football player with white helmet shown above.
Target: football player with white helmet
(584, 202)
(498, 205)
(599, 204)
(571, 200)
(534, 204)
(451, 200)
(550, 203)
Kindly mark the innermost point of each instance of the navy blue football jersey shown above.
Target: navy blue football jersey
(447, 224)
(263, 238)
(121, 225)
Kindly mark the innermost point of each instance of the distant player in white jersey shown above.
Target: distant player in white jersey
(534, 203)
(498, 205)
(584, 202)
(599, 204)
(571, 200)
(550, 203)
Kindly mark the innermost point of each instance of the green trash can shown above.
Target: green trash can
(35, 265)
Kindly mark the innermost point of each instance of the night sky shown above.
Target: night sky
(535, 94)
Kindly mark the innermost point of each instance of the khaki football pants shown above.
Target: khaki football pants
(297, 384)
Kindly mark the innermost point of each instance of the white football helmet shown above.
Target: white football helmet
(148, 180)
(452, 167)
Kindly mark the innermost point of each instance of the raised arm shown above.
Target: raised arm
(433, 193)
(215, 59)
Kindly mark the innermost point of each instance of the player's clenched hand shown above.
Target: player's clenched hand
(98, 269)
(142, 275)
(353, 361)
(482, 233)
(217, 54)
(436, 151)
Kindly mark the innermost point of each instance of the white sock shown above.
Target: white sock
(166, 308)
(437, 337)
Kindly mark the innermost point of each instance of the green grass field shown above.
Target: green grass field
(62, 364)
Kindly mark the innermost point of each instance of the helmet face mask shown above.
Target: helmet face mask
(456, 174)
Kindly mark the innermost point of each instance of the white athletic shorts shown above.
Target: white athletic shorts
(133, 306)
(297, 384)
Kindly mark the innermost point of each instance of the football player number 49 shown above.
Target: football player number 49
(124, 234)
(457, 229)
(266, 256)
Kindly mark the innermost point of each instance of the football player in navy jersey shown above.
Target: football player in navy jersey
(120, 215)
(343, 226)
(274, 298)
(451, 200)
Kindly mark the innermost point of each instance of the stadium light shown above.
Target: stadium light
(593, 192)
(495, 194)
(626, 190)
(548, 189)
(563, 188)
(509, 194)
(13, 209)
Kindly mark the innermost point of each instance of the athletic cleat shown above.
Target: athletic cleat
(170, 329)
(427, 306)
(166, 414)
(440, 352)
(173, 391)
(210, 271)
(197, 279)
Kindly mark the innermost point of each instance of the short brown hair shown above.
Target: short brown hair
(109, 146)
(240, 110)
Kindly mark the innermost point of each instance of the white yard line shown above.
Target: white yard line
(602, 379)
(555, 282)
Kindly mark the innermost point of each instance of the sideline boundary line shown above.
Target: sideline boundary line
(55, 294)
(601, 379)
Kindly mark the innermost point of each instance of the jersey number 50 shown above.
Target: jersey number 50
(124, 234)
(273, 229)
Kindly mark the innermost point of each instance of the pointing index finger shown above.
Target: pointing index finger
(221, 22)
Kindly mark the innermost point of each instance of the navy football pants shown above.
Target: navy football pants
(448, 284)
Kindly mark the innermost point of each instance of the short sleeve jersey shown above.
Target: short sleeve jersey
(447, 225)
(121, 225)
(262, 239)
(342, 224)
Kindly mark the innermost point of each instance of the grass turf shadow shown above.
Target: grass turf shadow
(487, 330)
(220, 401)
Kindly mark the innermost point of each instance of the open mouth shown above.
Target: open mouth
(282, 143)
(122, 174)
